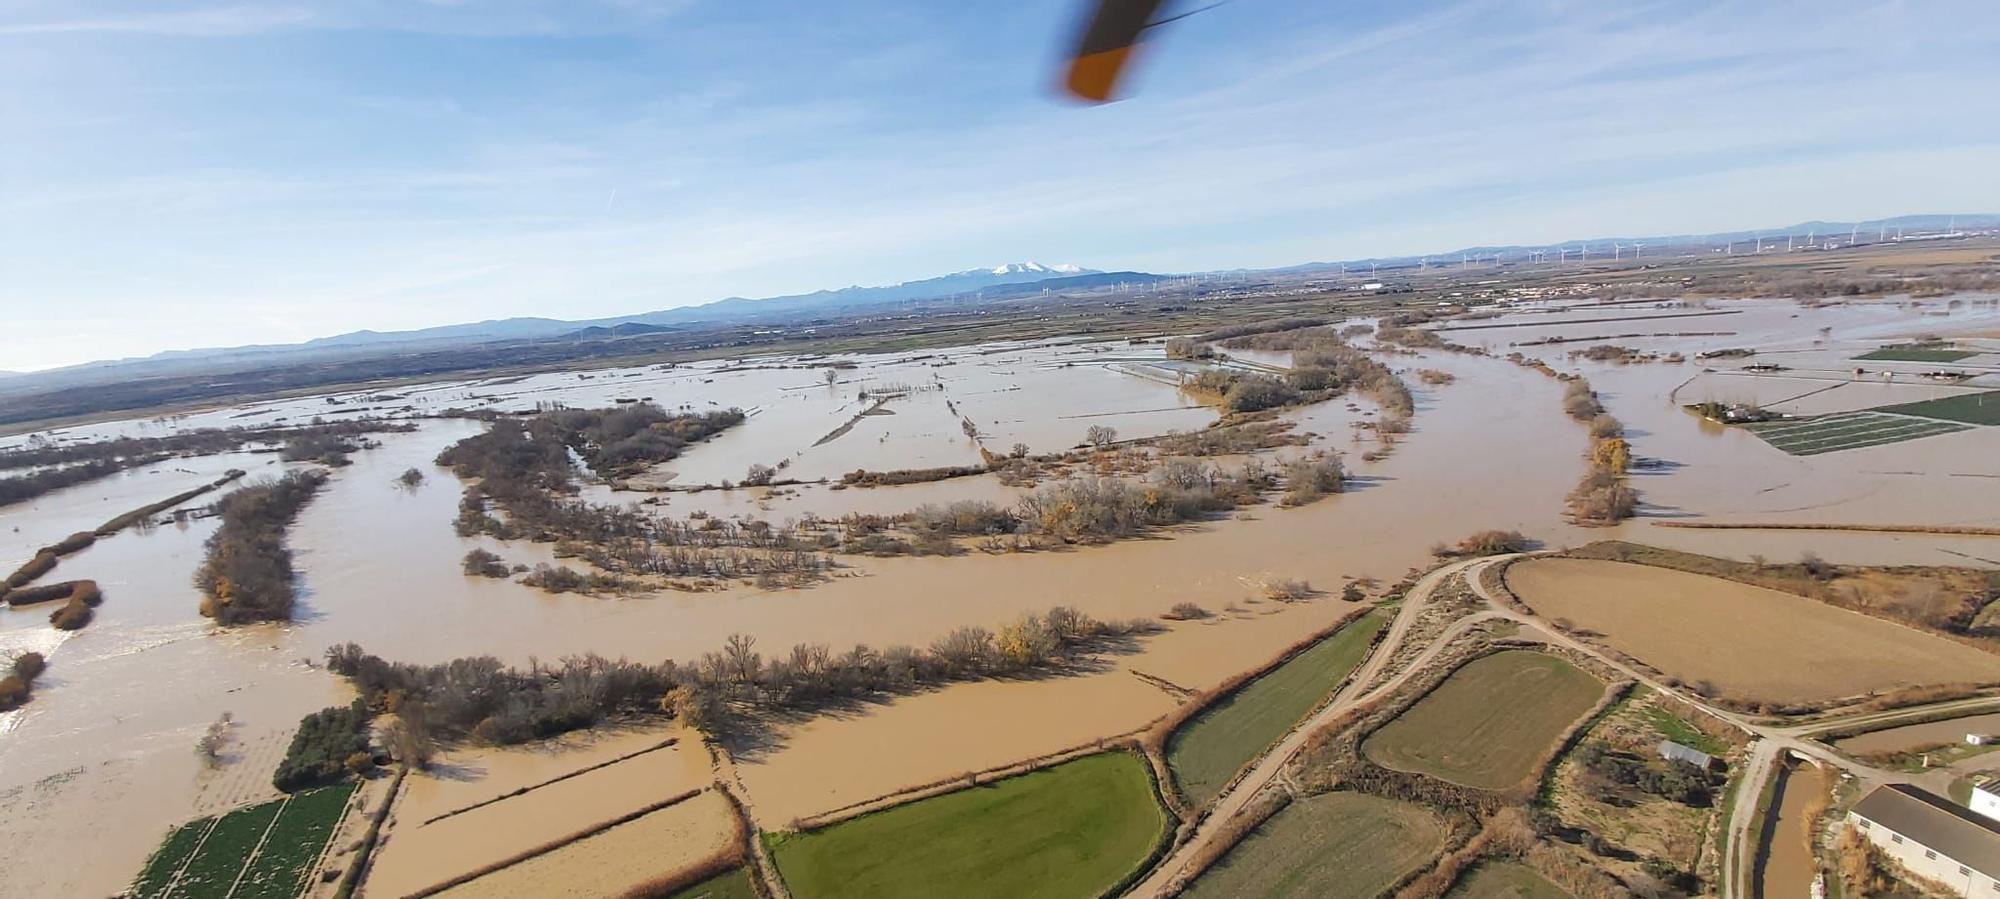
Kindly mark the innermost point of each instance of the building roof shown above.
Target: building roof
(1672, 750)
(1937, 824)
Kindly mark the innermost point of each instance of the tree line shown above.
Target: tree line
(484, 701)
(39, 451)
(247, 573)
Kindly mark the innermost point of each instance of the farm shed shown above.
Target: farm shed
(1675, 752)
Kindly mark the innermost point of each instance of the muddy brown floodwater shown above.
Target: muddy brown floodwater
(1786, 866)
(114, 720)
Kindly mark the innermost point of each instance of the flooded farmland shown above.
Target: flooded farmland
(114, 721)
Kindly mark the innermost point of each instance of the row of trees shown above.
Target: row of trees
(627, 439)
(329, 743)
(482, 700)
(25, 487)
(1324, 362)
(1602, 497)
(247, 574)
(39, 451)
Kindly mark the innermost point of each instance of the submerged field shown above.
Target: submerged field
(615, 862)
(1489, 722)
(260, 852)
(1335, 845)
(1777, 648)
(1209, 750)
(1849, 430)
(1071, 830)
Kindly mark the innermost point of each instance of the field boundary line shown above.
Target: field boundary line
(958, 782)
(175, 880)
(519, 791)
(257, 850)
(352, 806)
(557, 843)
(1948, 530)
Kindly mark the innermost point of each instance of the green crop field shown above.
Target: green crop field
(1970, 408)
(1071, 830)
(214, 858)
(280, 868)
(1915, 354)
(1489, 722)
(1505, 880)
(1851, 430)
(733, 884)
(167, 860)
(1334, 845)
(1207, 751)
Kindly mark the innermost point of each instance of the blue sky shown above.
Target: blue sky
(181, 173)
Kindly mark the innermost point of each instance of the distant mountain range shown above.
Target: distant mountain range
(977, 283)
(972, 285)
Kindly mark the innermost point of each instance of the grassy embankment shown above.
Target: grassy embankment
(1072, 830)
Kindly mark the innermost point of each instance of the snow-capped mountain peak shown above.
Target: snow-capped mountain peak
(1019, 268)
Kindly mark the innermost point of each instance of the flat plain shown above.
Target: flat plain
(1778, 647)
(1337, 845)
(1071, 830)
(1489, 722)
(1505, 880)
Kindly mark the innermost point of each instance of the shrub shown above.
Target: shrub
(1287, 590)
(13, 692)
(1185, 611)
(1602, 498)
(481, 563)
(1580, 401)
(1189, 348)
(410, 477)
(1493, 543)
(72, 616)
(1612, 454)
(28, 666)
(1308, 478)
(1606, 426)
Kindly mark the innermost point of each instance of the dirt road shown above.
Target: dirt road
(1272, 763)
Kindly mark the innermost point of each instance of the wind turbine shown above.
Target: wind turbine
(1617, 251)
(1637, 249)
(1853, 234)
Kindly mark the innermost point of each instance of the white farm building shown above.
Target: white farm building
(1932, 837)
